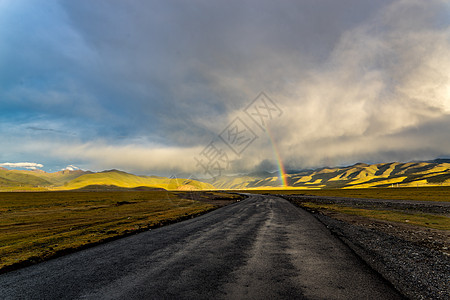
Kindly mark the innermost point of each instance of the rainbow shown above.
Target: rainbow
(281, 170)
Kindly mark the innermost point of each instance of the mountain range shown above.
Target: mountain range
(360, 175)
(424, 173)
(87, 180)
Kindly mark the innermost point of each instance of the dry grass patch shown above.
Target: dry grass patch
(38, 225)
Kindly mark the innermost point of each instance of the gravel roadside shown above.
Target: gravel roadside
(417, 271)
(431, 207)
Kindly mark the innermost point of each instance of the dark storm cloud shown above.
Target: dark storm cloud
(140, 83)
(189, 63)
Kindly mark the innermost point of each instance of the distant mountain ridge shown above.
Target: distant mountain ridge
(27, 180)
(360, 175)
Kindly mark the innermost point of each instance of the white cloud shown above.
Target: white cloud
(71, 168)
(147, 159)
(25, 165)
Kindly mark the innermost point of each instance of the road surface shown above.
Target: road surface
(260, 248)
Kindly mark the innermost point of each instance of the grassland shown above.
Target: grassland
(407, 193)
(35, 226)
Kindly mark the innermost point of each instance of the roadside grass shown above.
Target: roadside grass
(441, 194)
(420, 219)
(35, 226)
(22, 189)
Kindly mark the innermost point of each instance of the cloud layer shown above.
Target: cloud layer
(145, 86)
(25, 165)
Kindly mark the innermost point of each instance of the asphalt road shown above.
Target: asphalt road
(259, 248)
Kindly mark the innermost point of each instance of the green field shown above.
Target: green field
(408, 193)
(37, 225)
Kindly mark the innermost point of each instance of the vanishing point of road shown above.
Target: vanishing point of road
(260, 248)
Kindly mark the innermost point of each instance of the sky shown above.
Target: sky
(169, 87)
